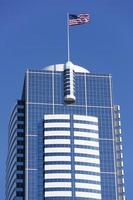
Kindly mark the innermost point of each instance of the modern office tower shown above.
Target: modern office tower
(65, 138)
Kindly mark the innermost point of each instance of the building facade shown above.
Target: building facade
(65, 138)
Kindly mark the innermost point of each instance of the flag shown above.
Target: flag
(78, 19)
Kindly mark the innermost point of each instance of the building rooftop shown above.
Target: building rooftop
(61, 67)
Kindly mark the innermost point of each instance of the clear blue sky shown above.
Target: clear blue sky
(33, 34)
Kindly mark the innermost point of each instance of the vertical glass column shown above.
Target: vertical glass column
(69, 84)
(119, 153)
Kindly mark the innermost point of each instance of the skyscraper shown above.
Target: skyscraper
(65, 137)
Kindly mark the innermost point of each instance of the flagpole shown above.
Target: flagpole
(68, 38)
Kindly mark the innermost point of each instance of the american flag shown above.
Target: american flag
(78, 19)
